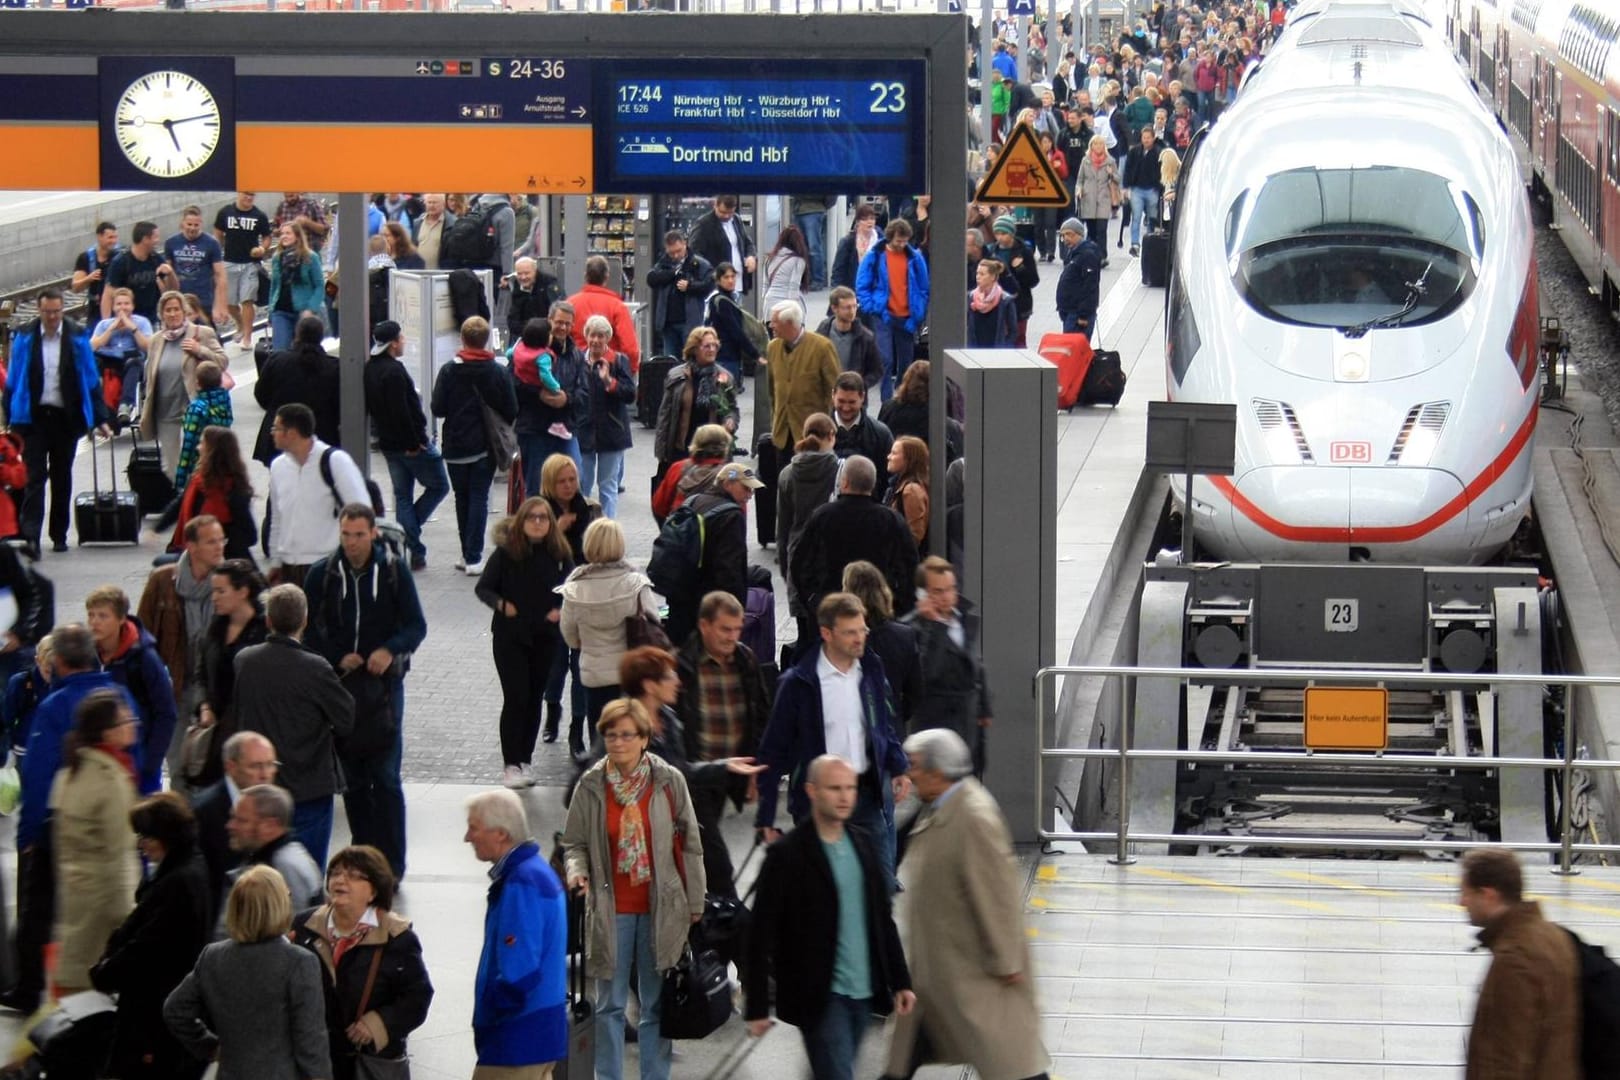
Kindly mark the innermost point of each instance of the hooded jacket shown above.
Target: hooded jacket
(360, 611)
(806, 483)
(597, 598)
(136, 665)
(462, 388)
(872, 286)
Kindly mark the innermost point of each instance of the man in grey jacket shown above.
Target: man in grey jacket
(259, 829)
(289, 694)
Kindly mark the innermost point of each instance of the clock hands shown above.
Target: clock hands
(188, 119)
(168, 125)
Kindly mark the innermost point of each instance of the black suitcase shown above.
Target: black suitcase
(147, 479)
(650, 388)
(580, 1064)
(1104, 383)
(1156, 259)
(106, 517)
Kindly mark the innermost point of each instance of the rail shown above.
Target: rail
(1124, 755)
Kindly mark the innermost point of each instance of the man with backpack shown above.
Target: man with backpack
(310, 482)
(366, 619)
(703, 548)
(483, 239)
(1527, 1024)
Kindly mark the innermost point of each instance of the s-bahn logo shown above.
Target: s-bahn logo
(1350, 453)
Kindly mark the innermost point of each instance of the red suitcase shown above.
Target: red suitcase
(1071, 355)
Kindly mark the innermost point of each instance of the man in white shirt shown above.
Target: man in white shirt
(309, 483)
(836, 700)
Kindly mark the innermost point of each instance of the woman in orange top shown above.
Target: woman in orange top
(633, 849)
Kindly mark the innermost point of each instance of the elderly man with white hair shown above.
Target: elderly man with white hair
(802, 368)
(965, 943)
(520, 1003)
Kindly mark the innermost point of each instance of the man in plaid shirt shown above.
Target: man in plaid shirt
(724, 704)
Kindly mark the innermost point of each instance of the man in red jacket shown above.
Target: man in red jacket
(597, 299)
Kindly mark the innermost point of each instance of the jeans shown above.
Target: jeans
(1144, 203)
(814, 227)
(895, 347)
(873, 817)
(836, 1040)
(425, 467)
(536, 448)
(599, 471)
(312, 827)
(374, 800)
(672, 340)
(471, 480)
(633, 937)
(282, 324)
(1072, 324)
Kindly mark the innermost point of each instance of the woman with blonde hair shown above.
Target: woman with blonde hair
(908, 488)
(255, 1000)
(572, 513)
(519, 583)
(1169, 175)
(634, 850)
(169, 377)
(597, 599)
(297, 286)
(1097, 191)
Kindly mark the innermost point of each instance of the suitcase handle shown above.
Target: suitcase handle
(95, 469)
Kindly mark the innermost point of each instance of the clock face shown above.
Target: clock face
(167, 124)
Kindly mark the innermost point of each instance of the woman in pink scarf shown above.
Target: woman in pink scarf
(992, 316)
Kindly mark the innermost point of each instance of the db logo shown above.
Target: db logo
(1350, 453)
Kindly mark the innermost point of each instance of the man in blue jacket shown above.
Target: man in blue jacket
(835, 700)
(520, 1003)
(53, 396)
(891, 287)
(366, 619)
(129, 653)
(77, 673)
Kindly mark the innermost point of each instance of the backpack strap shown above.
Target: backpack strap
(331, 481)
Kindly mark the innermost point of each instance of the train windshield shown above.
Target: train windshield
(1355, 248)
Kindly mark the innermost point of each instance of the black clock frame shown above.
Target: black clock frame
(115, 74)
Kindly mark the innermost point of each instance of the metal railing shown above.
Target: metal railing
(1124, 755)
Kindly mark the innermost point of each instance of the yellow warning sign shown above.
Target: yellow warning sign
(1022, 176)
(1346, 717)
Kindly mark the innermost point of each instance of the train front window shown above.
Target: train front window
(1355, 248)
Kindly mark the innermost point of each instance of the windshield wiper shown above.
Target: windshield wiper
(1415, 291)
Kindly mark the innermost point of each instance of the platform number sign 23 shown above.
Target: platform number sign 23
(1341, 616)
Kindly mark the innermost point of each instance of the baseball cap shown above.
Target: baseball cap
(740, 474)
(383, 335)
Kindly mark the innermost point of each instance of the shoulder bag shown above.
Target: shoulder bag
(499, 434)
(374, 1066)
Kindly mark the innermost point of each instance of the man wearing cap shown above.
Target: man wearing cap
(724, 508)
(1080, 285)
(1012, 253)
(401, 428)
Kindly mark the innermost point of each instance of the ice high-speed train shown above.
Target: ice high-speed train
(1354, 269)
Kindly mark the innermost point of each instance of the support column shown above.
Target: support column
(987, 18)
(1009, 575)
(575, 239)
(948, 287)
(354, 319)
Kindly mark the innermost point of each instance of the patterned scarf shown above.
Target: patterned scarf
(985, 301)
(632, 858)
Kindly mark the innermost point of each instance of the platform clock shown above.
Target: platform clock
(168, 122)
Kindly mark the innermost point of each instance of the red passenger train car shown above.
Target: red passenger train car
(1550, 69)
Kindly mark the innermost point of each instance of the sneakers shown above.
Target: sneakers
(460, 564)
(1135, 251)
(474, 569)
(513, 777)
(124, 414)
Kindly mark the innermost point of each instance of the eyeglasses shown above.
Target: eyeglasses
(537, 516)
(621, 736)
(345, 874)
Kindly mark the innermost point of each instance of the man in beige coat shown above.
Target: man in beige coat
(966, 944)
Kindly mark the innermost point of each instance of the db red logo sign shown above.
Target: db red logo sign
(1350, 453)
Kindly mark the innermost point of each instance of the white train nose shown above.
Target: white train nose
(1323, 512)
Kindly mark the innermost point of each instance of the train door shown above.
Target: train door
(1609, 210)
(1554, 110)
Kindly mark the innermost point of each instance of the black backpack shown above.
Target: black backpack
(1600, 1009)
(473, 239)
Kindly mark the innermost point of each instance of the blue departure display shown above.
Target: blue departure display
(736, 125)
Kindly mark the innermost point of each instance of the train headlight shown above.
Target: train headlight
(1282, 447)
(1419, 448)
(1350, 367)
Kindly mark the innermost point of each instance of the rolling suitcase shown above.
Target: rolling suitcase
(1105, 380)
(580, 1064)
(650, 388)
(152, 487)
(106, 517)
(1071, 354)
(1156, 259)
(759, 623)
(516, 489)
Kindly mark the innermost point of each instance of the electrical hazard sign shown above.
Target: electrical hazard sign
(1022, 176)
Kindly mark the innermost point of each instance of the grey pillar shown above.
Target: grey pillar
(1518, 712)
(354, 319)
(1010, 574)
(1052, 39)
(1155, 719)
(575, 239)
(1023, 22)
(947, 314)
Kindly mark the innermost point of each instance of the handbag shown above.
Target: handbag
(375, 726)
(498, 434)
(372, 1066)
(197, 749)
(697, 996)
(643, 629)
(1115, 196)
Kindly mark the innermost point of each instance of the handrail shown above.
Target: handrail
(1124, 755)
